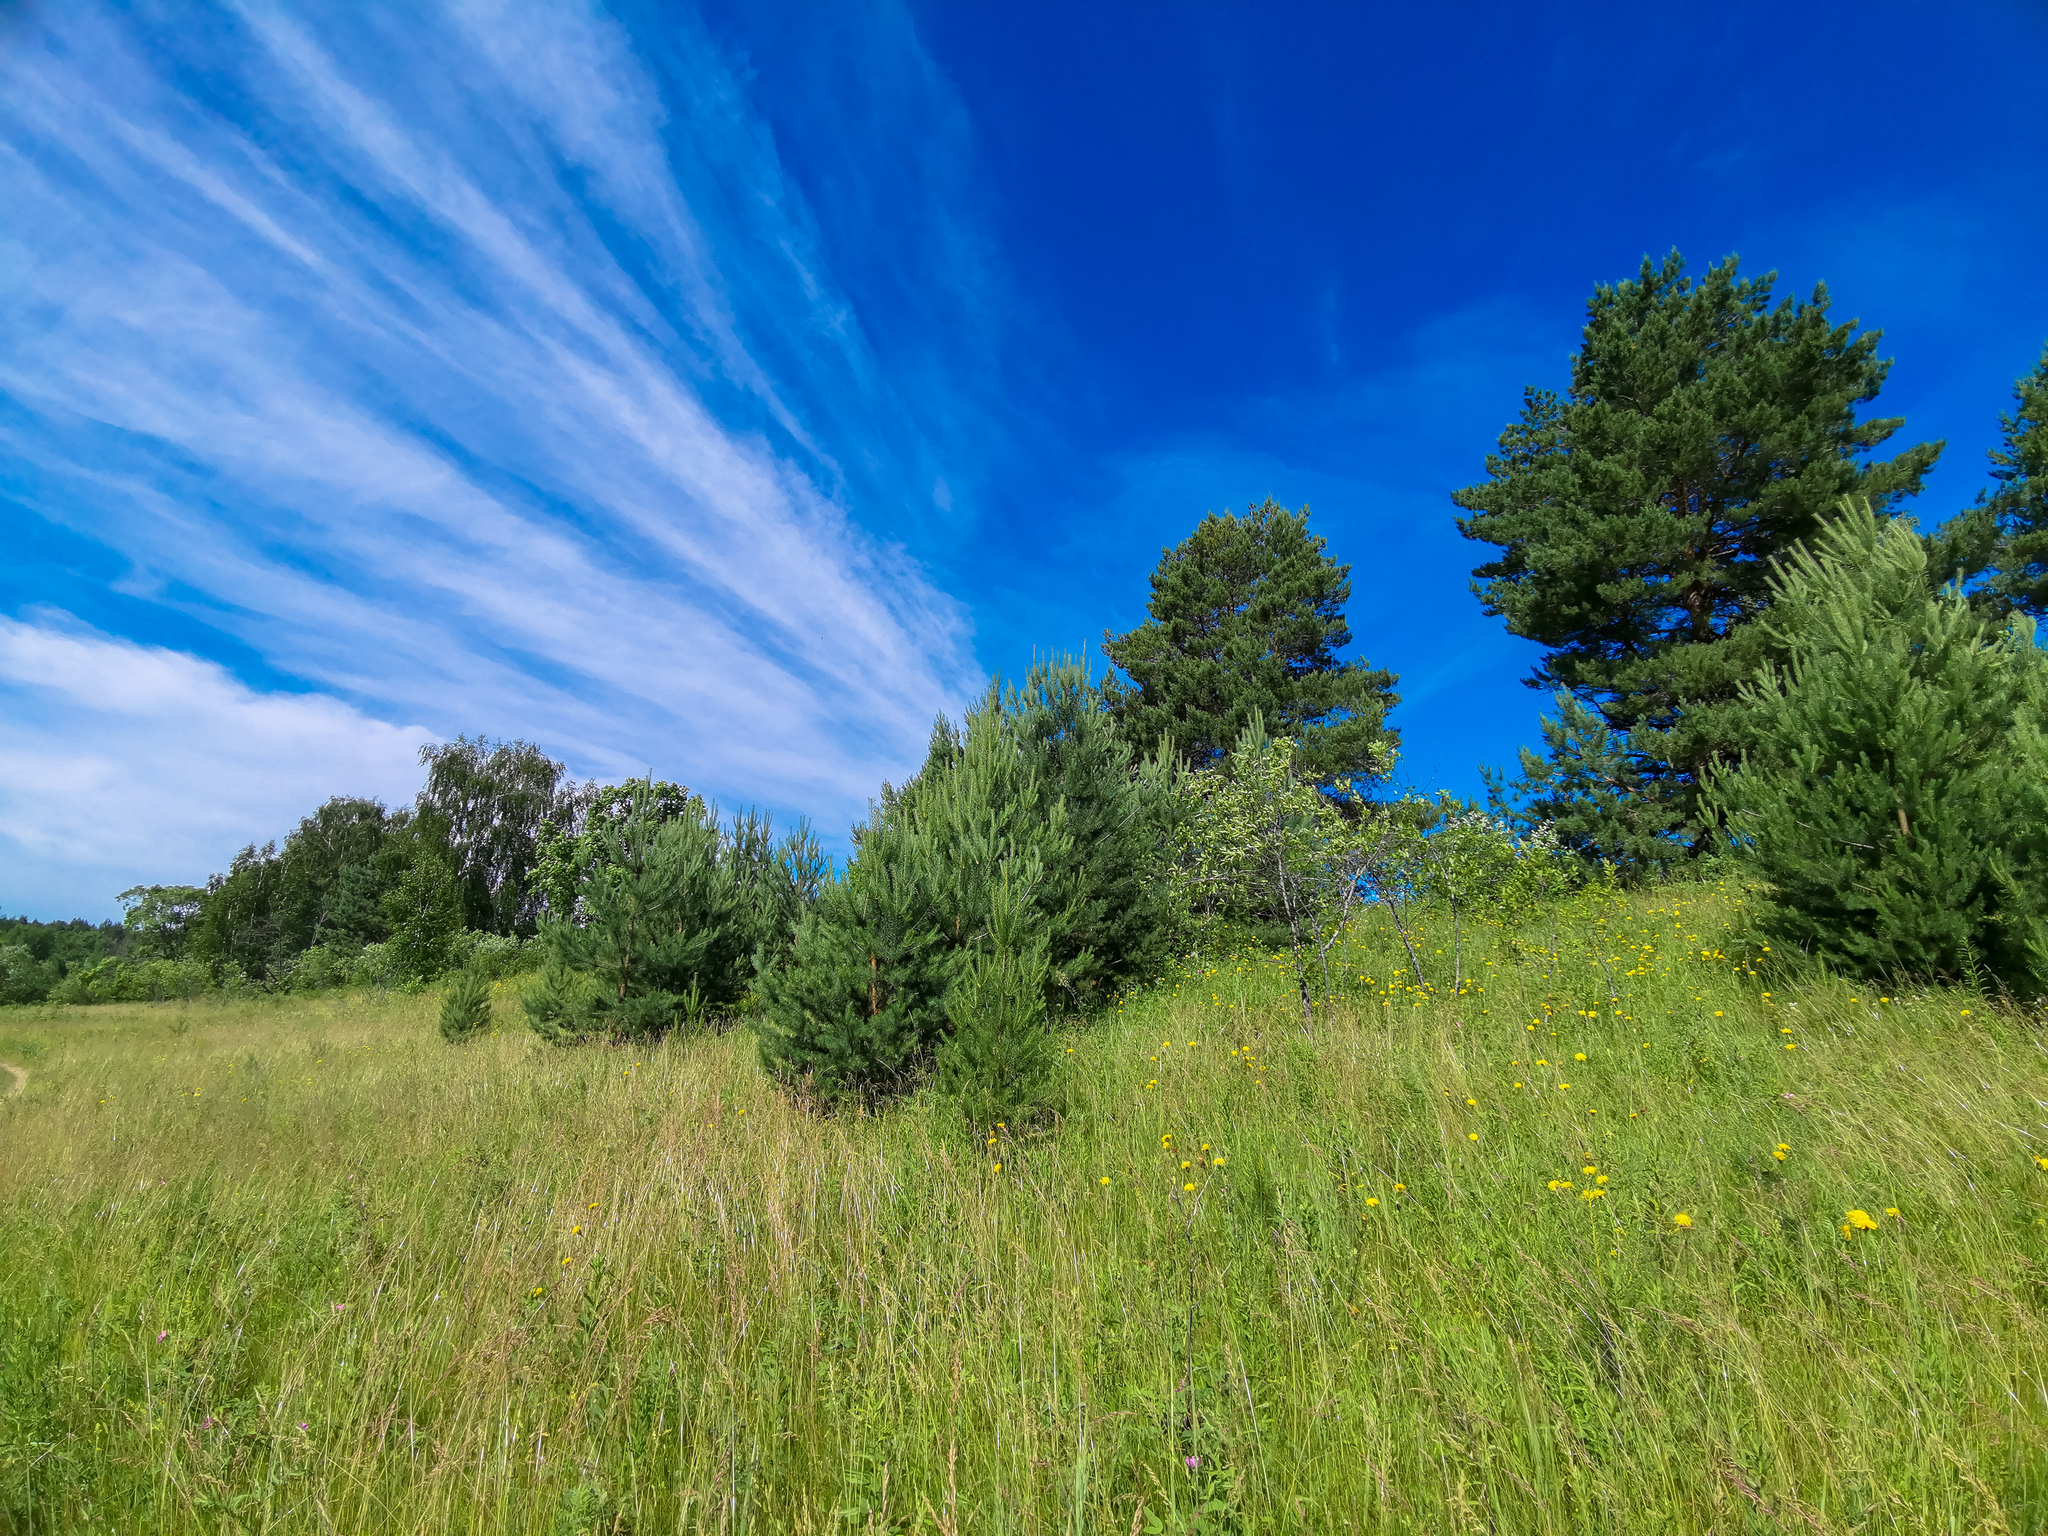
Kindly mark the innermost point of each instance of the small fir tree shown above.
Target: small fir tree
(662, 936)
(1247, 618)
(1591, 790)
(2004, 537)
(860, 1005)
(1896, 797)
(466, 1005)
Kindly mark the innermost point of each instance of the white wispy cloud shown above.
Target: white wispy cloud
(462, 366)
(123, 763)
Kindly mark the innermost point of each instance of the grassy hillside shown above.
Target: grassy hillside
(1569, 1249)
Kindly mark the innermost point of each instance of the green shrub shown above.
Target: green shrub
(22, 980)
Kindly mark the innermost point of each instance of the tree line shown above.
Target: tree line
(1755, 656)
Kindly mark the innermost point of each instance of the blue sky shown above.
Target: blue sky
(725, 390)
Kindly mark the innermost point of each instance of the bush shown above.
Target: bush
(321, 967)
(373, 966)
(22, 980)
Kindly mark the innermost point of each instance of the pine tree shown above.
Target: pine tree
(859, 1007)
(997, 1061)
(466, 1006)
(1705, 432)
(1590, 789)
(1091, 811)
(1247, 617)
(2006, 533)
(663, 938)
(1896, 796)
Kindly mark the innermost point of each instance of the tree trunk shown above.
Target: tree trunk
(1413, 959)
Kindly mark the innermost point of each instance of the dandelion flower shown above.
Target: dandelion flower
(1601, 1180)
(1474, 1103)
(1681, 1220)
(1372, 1200)
(1186, 1164)
(999, 1167)
(1580, 1057)
(1861, 1221)
(1471, 1135)
(1219, 1162)
(2041, 1163)
(1187, 1189)
(1589, 1168)
(1104, 1180)
(1891, 1210)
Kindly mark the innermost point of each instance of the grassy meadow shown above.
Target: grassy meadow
(1567, 1248)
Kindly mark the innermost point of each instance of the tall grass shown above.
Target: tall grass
(304, 1267)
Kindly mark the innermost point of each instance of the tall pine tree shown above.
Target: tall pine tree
(1247, 617)
(1639, 514)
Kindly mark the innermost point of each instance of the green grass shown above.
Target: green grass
(301, 1266)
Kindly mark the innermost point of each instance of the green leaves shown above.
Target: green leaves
(997, 1062)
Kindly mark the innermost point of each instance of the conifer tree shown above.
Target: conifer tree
(663, 938)
(1592, 792)
(1247, 617)
(997, 1061)
(1704, 433)
(2006, 533)
(1037, 786)
(1896, 795)
(860, 1004)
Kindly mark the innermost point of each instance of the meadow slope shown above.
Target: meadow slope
(1631, 1233)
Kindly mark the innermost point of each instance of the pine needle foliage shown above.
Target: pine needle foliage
(997, 1062)
(1705, 432)
(466, 1005)
(1896, 797)
(663, 936)
(1038, 787)
(2004, 537)
(1246, 619)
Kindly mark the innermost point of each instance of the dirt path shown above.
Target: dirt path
(19, 1074)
